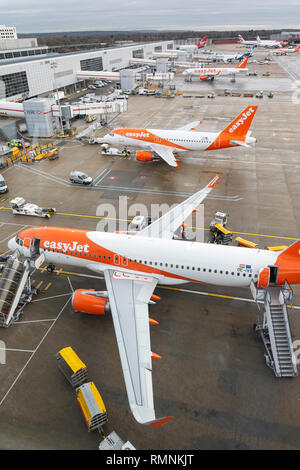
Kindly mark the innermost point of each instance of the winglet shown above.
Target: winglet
(160, 421)
(214, 181)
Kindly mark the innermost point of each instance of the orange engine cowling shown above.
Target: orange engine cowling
(142, 156)
(203, 77)
(88, 301)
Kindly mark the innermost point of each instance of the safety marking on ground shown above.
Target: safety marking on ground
(52, 297)
(3, 199)
(33, 321)
(34, 352)
(95, 187)
(179, 289)
(17, 350)
(39, 284)
(47, 286)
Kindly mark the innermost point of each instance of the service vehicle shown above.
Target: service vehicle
(80, 178)
(21, 207)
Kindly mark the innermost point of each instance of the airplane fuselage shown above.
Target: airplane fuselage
(176, 140)
(171, 261)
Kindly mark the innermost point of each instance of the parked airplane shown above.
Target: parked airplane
(261, 42)
(287, 51)
(165, 142)
(133, 265)
(193, 47)
(209, 73)
(230, 57)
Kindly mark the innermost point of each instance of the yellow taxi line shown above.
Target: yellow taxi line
(189, 291)
(189, 227)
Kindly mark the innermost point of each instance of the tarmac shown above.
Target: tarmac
(212, 376)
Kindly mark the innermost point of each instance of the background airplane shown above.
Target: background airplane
(287, 51)
(230, 57)
(261, 42)
(193, 47)
(164, 143)
(209, 73)
(133, 265)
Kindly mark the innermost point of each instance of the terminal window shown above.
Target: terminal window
(158, 49)
(14, 83)
(138, 54)
(95, 64)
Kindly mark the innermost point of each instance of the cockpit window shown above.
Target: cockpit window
(111, 134)
(19, 241)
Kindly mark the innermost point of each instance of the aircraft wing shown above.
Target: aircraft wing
(165, 153)
(129, 295)
(165, 226)
(189, 127)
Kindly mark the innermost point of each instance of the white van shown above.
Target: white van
(80, 177)
(3, 185)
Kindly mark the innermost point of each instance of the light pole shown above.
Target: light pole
(53, 66)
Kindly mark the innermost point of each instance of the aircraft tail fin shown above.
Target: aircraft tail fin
(292, 251)
(243, 63)
(239, 127)
(202, 42)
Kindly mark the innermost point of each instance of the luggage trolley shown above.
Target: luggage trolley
(92, 407)
(72, 367)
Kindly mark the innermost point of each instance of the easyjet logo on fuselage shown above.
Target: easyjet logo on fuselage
(241, 120)
(74, 246)
(138, 134)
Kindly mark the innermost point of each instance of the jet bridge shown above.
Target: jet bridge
(274, 328)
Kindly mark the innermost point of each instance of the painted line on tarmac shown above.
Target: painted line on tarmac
(279, 237)
(180, 289)
(121, 188)
(17, 350)
(33, 353)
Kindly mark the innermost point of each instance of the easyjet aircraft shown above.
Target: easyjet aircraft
(261, 42)
(192, 47)
(286, 51)
(133, 265)
(209, 73)
(165, 142)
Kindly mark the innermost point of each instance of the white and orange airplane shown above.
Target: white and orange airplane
(192, 47)
(286, 51)
(268, 43)
(209, 73)
(165, 142)
(133, 265)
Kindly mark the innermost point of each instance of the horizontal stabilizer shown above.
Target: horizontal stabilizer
(239, 142)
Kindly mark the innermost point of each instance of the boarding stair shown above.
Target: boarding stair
(15, 285)
(275, 329)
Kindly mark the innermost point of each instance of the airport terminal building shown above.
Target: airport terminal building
(33, 75)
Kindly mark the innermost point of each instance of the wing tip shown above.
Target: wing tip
(160, 421)
(214, 180)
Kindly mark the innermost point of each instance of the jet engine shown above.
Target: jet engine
(142, 156)
(90, 301)
(203, 77)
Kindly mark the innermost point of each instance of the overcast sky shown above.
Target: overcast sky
(74, 15)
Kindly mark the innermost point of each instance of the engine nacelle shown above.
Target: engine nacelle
(203, 77)
(90, 301)
(142, 156)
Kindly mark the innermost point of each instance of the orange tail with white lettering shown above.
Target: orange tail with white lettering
(236, 132)
(243, 63)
